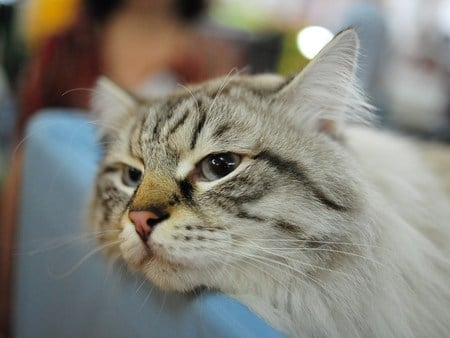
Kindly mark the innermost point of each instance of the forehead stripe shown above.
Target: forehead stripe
(198, 128)
(177, 124)
(292, 168)
(135, 138)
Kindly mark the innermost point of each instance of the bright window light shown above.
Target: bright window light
(311, 39)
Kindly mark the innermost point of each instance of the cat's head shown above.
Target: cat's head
(218, 179)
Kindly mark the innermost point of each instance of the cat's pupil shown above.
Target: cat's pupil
(216, 166)
(135, 174)
(131, 176)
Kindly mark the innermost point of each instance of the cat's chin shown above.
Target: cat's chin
(166, 276)
(163, 272)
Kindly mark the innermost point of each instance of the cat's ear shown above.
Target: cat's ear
(110, 104)
(325, 93)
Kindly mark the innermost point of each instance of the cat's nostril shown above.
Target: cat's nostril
(144, 221)
(151, 222)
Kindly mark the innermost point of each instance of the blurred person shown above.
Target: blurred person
(127, 40)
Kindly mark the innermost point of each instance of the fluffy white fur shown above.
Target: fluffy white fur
(402, 287)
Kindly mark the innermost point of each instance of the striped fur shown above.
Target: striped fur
(324, 229)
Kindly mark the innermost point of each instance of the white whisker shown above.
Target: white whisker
(303, 249)
(59, 242)
(226, 80)
(80, 89)
(302, 241)
(147, 297)
(82, 260)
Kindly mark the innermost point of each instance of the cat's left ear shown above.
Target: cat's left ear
(111, 104)
(325, 93)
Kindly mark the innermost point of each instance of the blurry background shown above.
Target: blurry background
(405, 56)
(51, 52)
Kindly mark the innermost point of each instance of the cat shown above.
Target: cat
(282, 194)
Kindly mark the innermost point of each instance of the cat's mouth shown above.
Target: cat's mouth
(138, 252)
(133, 249)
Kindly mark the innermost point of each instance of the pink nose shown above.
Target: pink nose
(143, 222)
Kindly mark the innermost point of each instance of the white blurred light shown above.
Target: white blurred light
(311, 39)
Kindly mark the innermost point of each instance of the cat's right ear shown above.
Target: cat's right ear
(111, 104)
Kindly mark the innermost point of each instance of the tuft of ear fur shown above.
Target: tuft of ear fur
(110, 104)
(325, 93)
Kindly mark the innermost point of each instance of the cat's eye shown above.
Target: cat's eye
(216, 166)
(131, 176)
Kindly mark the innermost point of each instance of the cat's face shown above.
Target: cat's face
(197, 186)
